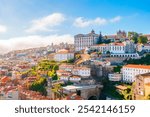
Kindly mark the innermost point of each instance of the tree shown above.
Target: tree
(133, 36)
(55, 67)
(39, 86)
(108, 53)
(99, 53)
(143, 60)
(70, 61)
(117, 69)
(142, 39)
(55, 77)
(51, 73)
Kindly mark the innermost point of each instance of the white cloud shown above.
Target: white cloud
(3, 29)
(115, 19)
(82, 22)
(46, 23)
(32, 41)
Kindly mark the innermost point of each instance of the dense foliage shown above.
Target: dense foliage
(117, 69)
(137, 38)
(145, 60)
(42, 71)
(39, 86)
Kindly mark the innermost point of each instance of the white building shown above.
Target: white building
(112, 48)
(115, 48)
(143, 47)
(9, 93)
(125, 49)
(63, 72)
(63, 55)
(81, 41)
(115, 77)
(64, 78)
(12, 95)
(82, 71)
(75, 79)
(130, 71)
(146, 47)
(66, 67)
(126, 55)
(130, 47)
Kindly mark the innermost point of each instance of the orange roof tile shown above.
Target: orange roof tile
(148, 84)
(75, 77)
(118, 44)
(137, 66)
(5, 79)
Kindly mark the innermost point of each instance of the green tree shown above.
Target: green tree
(143, 60)
(99, 53)
(51, 73)
(108, 53)
(117, 69)
(70, 61)
(39, 86)
(142, 39)
(133, 36)
(55, 77)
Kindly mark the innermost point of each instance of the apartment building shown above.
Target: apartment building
(141, 89)
(63, 55)
(131, 70)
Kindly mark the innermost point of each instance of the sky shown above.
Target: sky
(35, 23)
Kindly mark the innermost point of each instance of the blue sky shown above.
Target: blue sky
(21, 19)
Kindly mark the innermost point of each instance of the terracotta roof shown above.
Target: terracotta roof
(5, 79)
(75, 77)
(63, 51)
(148, 84)
(118, 44)
(62, 71)
(81, 68)
(64, 75)
(137, 66)
(93, 53)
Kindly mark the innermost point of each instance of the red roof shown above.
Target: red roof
(5, 79)
(137, 66)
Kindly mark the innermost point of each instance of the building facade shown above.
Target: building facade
(130, 71)
(81, 41)
(115, 48)
(63, 55)
(82, 71)
(115, 77)
(112, 48)
(141, 89)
